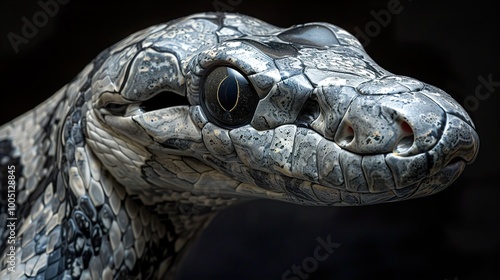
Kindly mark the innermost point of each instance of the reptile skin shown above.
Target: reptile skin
(124, 165)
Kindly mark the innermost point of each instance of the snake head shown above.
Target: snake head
(299, 114)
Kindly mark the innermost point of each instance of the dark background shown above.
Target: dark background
(452, 235)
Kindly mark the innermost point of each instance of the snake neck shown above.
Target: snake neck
(110, 228)
(72, 217)
(113, 232)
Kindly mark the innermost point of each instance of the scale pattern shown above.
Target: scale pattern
(108, 188)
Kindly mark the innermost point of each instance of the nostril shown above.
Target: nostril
(345, 136)
(406, 139)
(404, 144)
(406, 128)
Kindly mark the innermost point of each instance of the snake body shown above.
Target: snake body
(123, 166)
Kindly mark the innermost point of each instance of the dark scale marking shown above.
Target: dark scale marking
(77, 136)
(69, 230)
(96, 239)
(76, 116)
(76, 269)
(80, 101)
(86, 256)
(83, 222)
(88, 208)
(79, 243)
(67, 128)
(70, 151)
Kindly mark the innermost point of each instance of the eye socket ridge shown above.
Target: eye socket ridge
(227, 97)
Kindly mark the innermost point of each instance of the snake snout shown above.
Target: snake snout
(404, 124)
(397, 136)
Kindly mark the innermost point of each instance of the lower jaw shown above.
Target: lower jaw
(440, 180)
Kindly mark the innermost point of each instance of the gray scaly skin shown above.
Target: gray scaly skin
(106, 188)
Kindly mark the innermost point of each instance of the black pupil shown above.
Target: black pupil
(228, 91)
(228, 97)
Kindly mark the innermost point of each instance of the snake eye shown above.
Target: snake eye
(228, 97)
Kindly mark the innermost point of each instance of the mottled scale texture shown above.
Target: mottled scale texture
(121, 168)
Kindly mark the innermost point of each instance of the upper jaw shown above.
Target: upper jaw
(426, 139)
(309, 163)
